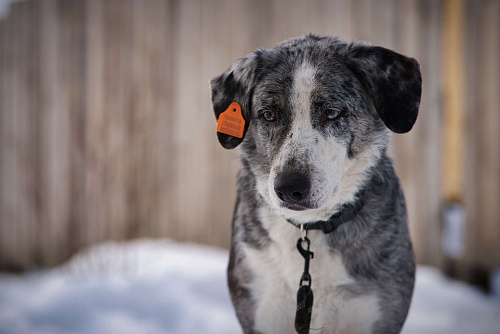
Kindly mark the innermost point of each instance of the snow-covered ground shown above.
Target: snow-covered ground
(159, 287)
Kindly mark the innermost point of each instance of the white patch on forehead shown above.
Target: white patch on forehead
(303, 85)
(302, 136)
(301, 133)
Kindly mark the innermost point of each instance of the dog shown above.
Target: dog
(317, 115)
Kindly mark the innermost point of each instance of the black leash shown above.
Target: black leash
(305, 296)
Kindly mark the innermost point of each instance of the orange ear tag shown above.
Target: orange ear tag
(231, 121)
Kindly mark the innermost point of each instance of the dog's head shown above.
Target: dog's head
(317, 114)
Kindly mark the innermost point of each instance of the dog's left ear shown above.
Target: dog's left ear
(234, 85)
(393, 81)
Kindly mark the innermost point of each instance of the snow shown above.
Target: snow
(139, 287)
(152, 287)
(442, 305)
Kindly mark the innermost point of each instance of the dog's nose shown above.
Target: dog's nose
(292, 188)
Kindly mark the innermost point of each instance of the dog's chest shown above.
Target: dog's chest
(277, 271)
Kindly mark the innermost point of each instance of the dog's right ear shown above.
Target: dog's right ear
(234, 85)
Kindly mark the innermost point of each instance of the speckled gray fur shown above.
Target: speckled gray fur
(376, 89)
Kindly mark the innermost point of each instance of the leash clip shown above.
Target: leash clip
(307, 255)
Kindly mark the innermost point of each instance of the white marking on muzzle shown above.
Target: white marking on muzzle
(302, 135)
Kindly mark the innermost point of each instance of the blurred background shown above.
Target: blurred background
(116, 198)
(107, 130)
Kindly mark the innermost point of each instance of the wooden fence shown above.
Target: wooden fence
(107, 131)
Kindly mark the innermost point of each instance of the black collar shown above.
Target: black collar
(346, 213)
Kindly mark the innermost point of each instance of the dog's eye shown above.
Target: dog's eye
(331, 113)
(269, 116)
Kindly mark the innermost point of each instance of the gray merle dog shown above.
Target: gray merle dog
(317, 114)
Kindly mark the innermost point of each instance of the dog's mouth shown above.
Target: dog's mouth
(297, 207)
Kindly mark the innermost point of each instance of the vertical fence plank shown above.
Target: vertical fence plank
(118, 104)
(342, 19)
(483, 140)
(361, 20)
(384, 24)
(3, 119)
(19, 163)
(453, 98)
(218, 23)
(95, 130)
(72, 78)
(7, 208)
(427, 132)
(54, 144)
(488, 140)
(35, 159)
(164, 87)
(471, 167)
(151, 65)
(190, 184)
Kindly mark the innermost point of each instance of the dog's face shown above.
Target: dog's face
(318, 112)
